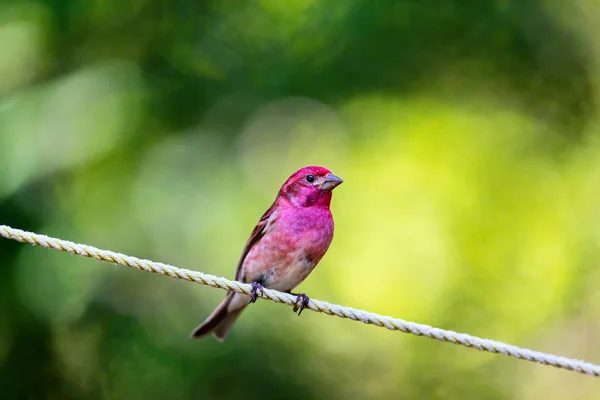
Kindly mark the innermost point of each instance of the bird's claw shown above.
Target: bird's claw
(301, 303)
(257, 290)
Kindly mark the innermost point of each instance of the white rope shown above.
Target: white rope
(365, 317)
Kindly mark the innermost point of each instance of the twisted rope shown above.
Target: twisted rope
(394, 324)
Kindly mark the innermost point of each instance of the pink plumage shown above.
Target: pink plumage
(285, 246)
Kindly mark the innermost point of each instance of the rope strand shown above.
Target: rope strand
(394, 324)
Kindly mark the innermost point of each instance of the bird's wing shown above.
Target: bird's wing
(263, 225)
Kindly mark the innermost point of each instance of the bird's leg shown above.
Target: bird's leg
(301, 302)
(257, 290)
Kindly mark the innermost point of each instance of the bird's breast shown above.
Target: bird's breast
(291, 249)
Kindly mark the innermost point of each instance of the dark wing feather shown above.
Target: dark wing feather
(259, 231)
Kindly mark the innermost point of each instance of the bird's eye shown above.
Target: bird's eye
(310, 178)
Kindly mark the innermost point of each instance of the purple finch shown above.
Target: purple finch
(285, 246)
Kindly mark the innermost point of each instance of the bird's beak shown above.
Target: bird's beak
(330, 181)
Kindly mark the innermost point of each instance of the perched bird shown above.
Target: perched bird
(285, 246)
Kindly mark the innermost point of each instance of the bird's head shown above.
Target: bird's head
(310, 186)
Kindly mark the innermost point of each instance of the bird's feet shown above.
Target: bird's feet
(301, 302)
(257, 290)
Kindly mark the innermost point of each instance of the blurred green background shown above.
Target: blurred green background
(468, 136)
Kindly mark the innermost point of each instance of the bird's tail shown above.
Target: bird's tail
(221, 320)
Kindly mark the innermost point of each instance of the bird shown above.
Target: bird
(286, 245)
